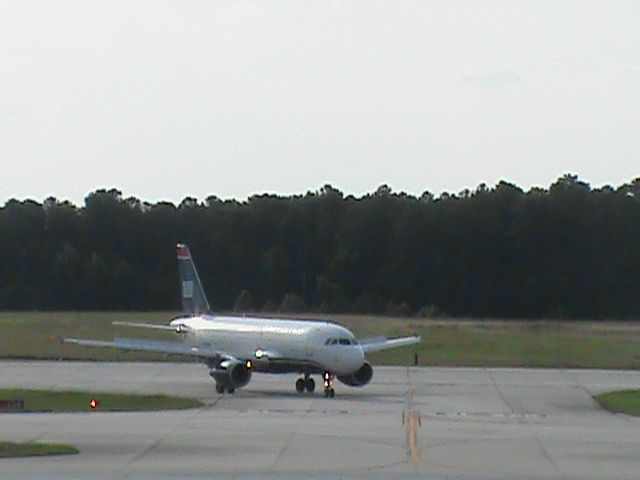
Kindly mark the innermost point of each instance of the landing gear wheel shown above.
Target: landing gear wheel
(329, 393)
(300, 385)
(231, 390)
(310, 385)
(219, 388)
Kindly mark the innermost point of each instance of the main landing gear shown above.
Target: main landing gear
(222, 385)
(307, 383)
(221, 388)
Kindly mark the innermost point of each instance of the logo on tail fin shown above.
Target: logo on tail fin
(194, 301)
(187, 289)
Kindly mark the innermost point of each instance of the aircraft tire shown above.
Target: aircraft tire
(219, 388)
(231, 390)
(310, 385)
(300, 385)
(329, 393)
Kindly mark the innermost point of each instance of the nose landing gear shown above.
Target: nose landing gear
(328, 389)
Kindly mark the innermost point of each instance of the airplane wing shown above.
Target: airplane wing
(158, 346)
(153, 326)
(382, 343)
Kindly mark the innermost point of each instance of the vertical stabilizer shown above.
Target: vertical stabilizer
(194, 301)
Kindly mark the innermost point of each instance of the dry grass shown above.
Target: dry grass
(447, 342)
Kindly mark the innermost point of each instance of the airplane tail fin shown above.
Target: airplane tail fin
(194, 301)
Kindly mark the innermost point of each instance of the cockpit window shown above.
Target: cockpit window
(341, 341)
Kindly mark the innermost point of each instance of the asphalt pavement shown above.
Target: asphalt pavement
(458, 423)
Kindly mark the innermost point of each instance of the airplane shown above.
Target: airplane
(233, 347)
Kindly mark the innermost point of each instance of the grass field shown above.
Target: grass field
(32, 449)
(446, 342)
(56, 401)
(624, 401)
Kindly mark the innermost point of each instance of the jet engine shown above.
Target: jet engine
(232, 374)
(359, 378)
(239, 374)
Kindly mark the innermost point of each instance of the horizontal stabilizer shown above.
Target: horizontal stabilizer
(382, 343)
(157, 346)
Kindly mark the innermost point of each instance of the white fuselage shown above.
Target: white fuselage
(248, 338)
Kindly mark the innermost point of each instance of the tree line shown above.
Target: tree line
(567, 251)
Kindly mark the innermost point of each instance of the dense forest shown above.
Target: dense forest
(569, 251)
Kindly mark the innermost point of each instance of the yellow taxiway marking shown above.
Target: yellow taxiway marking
(411, 421)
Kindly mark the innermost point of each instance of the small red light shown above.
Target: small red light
(93, 404)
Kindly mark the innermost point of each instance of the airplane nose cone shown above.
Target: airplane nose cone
(357, 358)
(351, 360)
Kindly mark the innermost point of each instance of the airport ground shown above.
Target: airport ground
(469, 423)
(446, 342)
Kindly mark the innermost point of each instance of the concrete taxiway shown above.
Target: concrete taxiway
(470, 423)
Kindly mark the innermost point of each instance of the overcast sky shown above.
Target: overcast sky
(167, 99)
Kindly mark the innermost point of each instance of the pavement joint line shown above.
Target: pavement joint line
(289, 438)
(543, 450)
(499, 391)
(179, 423)
(545, 453)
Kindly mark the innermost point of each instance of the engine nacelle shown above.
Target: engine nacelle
(239, 374)
(233, 374)
(359, 378)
